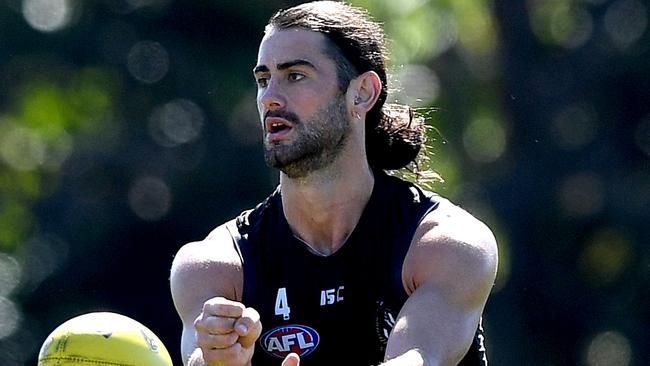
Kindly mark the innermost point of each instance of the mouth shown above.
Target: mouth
(277, 128)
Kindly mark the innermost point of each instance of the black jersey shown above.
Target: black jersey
(325, 307)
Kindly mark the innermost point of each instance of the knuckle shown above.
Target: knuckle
(198, 322)
(231, 338)
(220, 325)
(202, 342)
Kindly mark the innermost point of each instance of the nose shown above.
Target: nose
(271, 97)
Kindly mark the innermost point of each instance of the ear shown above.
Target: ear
(363, 93)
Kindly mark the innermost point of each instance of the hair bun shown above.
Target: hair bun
(397, 139)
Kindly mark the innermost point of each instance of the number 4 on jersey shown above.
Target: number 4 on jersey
(282, 304)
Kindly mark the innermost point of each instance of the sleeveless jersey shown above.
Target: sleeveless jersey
(345, 304)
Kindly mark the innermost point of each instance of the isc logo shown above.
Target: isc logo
(282, 340)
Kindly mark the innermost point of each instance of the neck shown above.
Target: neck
(323, 208)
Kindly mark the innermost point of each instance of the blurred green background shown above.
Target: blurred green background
(128, 127)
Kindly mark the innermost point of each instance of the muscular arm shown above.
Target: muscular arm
(201, 271)
(448, 272)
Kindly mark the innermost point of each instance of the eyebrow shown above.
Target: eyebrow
(284, 65)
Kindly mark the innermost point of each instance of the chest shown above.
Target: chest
(317, 306)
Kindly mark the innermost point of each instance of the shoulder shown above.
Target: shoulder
(454, 250)
(217, 249)
(204, 269)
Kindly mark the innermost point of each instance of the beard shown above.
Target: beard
(317, 143)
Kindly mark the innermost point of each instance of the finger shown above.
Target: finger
(220, 306)
(216, 341)
(232, 355)
(214, 324)
(248, 327)
(292, 359)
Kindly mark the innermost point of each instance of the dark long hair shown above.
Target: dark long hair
(394, 133)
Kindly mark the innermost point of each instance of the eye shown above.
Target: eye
(262, 81)
(294, 76)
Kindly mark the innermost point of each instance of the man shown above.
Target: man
(342, 264)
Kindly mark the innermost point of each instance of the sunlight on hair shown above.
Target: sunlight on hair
(177, 122)
(625, 22)
(148, 62)
(574, 126)
(582, 194)
(642, 135)
(150, 198)
(610, 348)
(10, 317)
(484, 139)
(48, 15)
(606, 256)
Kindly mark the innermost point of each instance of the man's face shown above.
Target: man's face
(299, 101)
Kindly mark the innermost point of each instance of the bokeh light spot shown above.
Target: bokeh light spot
(128, 6)
(484, 140)
(148, 61)
(419, 86)
(609, 348)
(477, 31)
(177, 122)
(606, 256)
(48, 15)
(150, 198)
(16, 221)
(574, 126)
(22, 148)
(9, 317)
(562, 23)
(422, 34)
(582, 194)
(9, 274)
(625, 22)
(58, 151)
(42, 256)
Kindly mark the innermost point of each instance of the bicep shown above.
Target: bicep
(201, 271)
(449, 272)
(441, 329)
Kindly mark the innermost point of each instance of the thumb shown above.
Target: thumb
(249, 327)
(292, 359)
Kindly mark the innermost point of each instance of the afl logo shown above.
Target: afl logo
(282, 340)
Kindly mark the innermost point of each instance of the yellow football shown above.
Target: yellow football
(103, 338)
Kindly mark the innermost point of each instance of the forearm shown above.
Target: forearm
(196, 359)
(409, 358)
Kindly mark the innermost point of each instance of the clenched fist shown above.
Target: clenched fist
(226, 332)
